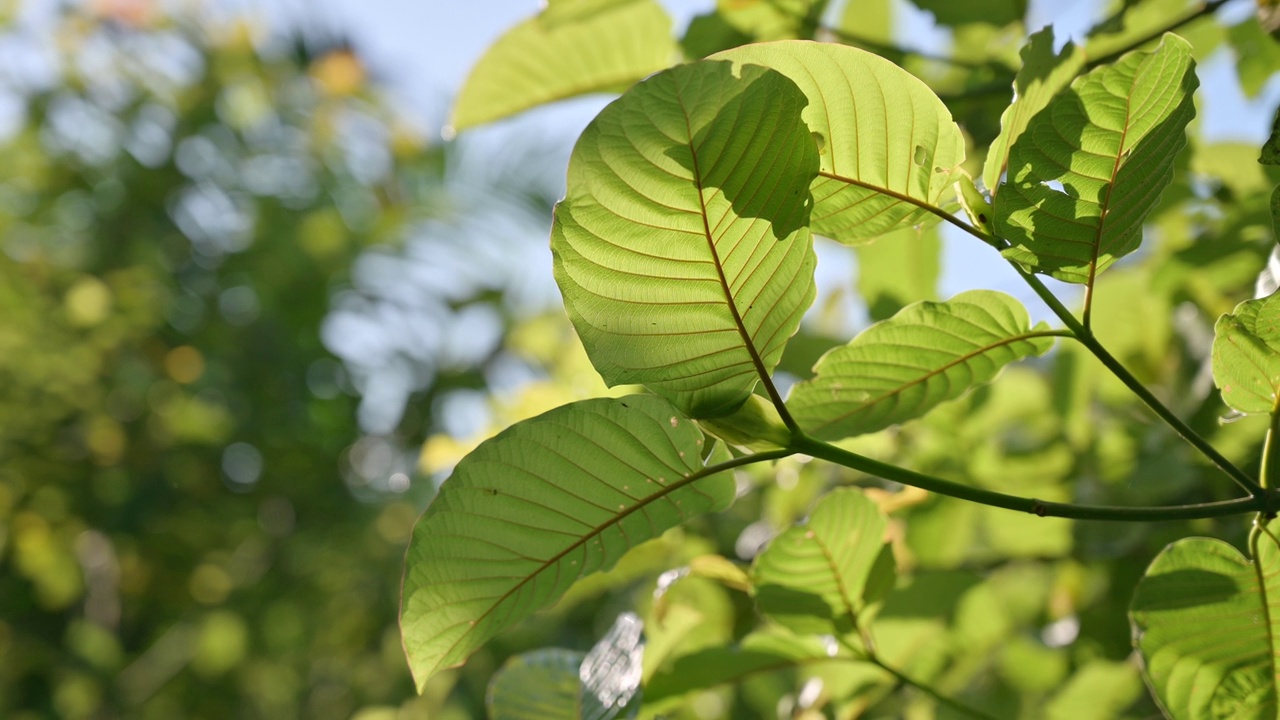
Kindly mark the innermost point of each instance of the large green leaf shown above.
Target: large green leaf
(903, 367)
(682, 247)
(1089, 167)
(888, 146)
(1246, 356)
(572, 48)
(1042, 75)
(545, 502)
(1206, 620)
(820, 576)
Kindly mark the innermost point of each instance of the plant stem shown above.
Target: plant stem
(1190, 16)
(1269, 468)
(927, 690)
(1086, 337)
(831, 453)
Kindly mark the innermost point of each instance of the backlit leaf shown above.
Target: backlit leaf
(1246, 356)
(574, 47)
(903, 367)
(820, 576)
(538, 506)
(887, 144)
(682, 247)
(1206, 620)
(1089, 168)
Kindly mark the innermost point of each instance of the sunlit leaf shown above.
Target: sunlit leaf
(1089, 168)
(1206, 622)
(540, 505)
(682, 248)
(903, 367)
(1042, 75)
(572, 48)
(887, 144)
(820, 576)
(1246, 356)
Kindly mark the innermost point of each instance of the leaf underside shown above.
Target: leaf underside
(570, 49)
(888, 145)
(903, 367)
(1206, 624)
(1246, 356)
(1089, 167)
(682, 247)
(544, 503)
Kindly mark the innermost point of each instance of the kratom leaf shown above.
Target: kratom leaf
(682, 247)
(768, 650)
(738, 22)
(1270, 154)
(545, 502)
(1042, 75)
(887, 145)
(903, 367)
(572, 48)
(1257, 55)
(898, 269)
(1089, 167)
(821, 576)
(1246, 356)
(1206, 621)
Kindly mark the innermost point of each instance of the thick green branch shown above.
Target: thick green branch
(852, 460)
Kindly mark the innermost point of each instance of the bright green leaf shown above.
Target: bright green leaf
(887, 145)
(545, 502)
(574, 47)
(820, 576)
(682, 247)
(1206, 620)
(1042, 75)
(1089, 168)
(898, 269)
(1246, 356)
(903, 367)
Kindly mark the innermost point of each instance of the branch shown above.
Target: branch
(1190, 16)
(831, 453)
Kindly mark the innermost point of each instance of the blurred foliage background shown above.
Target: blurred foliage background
(238, 291)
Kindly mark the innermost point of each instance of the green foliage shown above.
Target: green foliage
(1246, 356)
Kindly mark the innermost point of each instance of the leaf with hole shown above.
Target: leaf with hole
(901, 368)
(889, 149)
(572, 48)
(540, 505)
(1206, 621)
(1084, 174)
(682, 246)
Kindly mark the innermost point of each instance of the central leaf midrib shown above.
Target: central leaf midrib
(1100, 230)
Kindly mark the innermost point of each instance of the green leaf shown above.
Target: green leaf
(1246, 356)
(1101, 689)
(1089, 168)
(903, 367)
(898, 269)
(1206, 619)
(682, 247)
(545, 502)
(1042, 75)
(572, 48)
(820, 576)
(767, 650)
(991, 12)
(738, 22)
(887, 145)
(1257, 55)
(1270, 154)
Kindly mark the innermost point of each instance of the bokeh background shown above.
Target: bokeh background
(252, 307)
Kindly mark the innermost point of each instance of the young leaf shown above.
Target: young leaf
(1206, 621)
(903, 367)
(820, 576)
(1090, 166)
(573, 47)
(545, 502)
(682, 247)
(1246, 356)
(888, 146)
(1042, 75)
